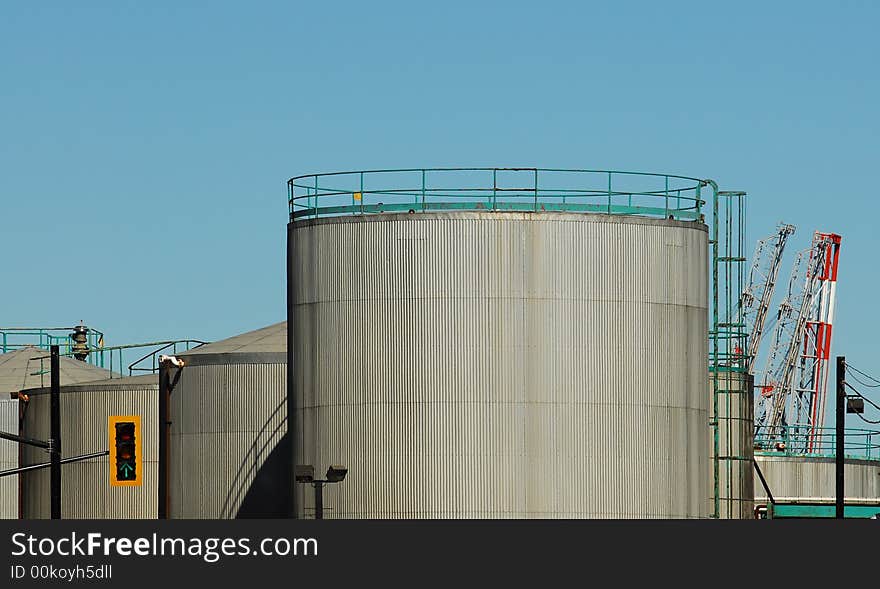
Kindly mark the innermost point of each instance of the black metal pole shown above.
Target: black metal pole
(291, 393)
(164, 379)
(763, 482)
(319, 499)
(55, 433)
(840, 441)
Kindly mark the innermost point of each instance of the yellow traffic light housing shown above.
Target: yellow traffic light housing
(126, 450)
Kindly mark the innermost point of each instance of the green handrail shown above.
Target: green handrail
(858, 443)
(16, 338)
(411, 190)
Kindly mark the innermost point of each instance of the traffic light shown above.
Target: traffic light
(126, 457)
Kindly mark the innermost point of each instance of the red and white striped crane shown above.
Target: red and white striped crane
(793, 385)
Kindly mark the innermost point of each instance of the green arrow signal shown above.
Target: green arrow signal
(122, 469)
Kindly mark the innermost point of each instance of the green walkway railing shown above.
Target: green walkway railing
(495, 189)
(858, 443)
(16, 338)
(113, 357)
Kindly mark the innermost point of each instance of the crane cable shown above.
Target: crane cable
(868, 376)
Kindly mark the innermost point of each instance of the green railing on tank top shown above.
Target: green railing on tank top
(859, 443)
(100, 355)
(419, 190)
(16, 338)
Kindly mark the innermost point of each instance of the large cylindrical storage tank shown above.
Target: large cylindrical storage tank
(24, 369)
(502, 364)
(812, 479)
(732, 475)
(230, 455)
(86, 489)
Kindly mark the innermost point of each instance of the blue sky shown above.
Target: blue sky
(145, 146)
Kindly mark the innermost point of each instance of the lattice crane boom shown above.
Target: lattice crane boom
(773, 382)
(816, 350)
(794, 384)
(785, 374)
(756, 297)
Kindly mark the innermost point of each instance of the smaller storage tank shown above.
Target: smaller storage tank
(85, 407)
(28, 368)
(734, 477)
(8, 459)
(21, 370)
(229, 453)
(812, 479)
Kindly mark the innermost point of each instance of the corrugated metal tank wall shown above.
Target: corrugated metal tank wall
(736, 442)
(503, 364)
(813, 478)
(8, 459)
(86, 490)
(22, 369)
(229, 416)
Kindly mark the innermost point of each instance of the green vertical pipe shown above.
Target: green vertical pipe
(315, 212)
(740, 264)
(699, 198)
(416, 196)
(742, 377)
(666, 197)
(536, 189)
(728, 491)
(609, 193)
(563, 199)
(728, 278)
(423, 190)
(715, 441)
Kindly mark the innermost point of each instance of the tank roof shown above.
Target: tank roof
(139, 381)
(267, 344)
(507, 216)
(24, 369)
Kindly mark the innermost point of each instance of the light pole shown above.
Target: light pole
(853, 404)
(840, 440)
(305, 474)
(55, 433)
